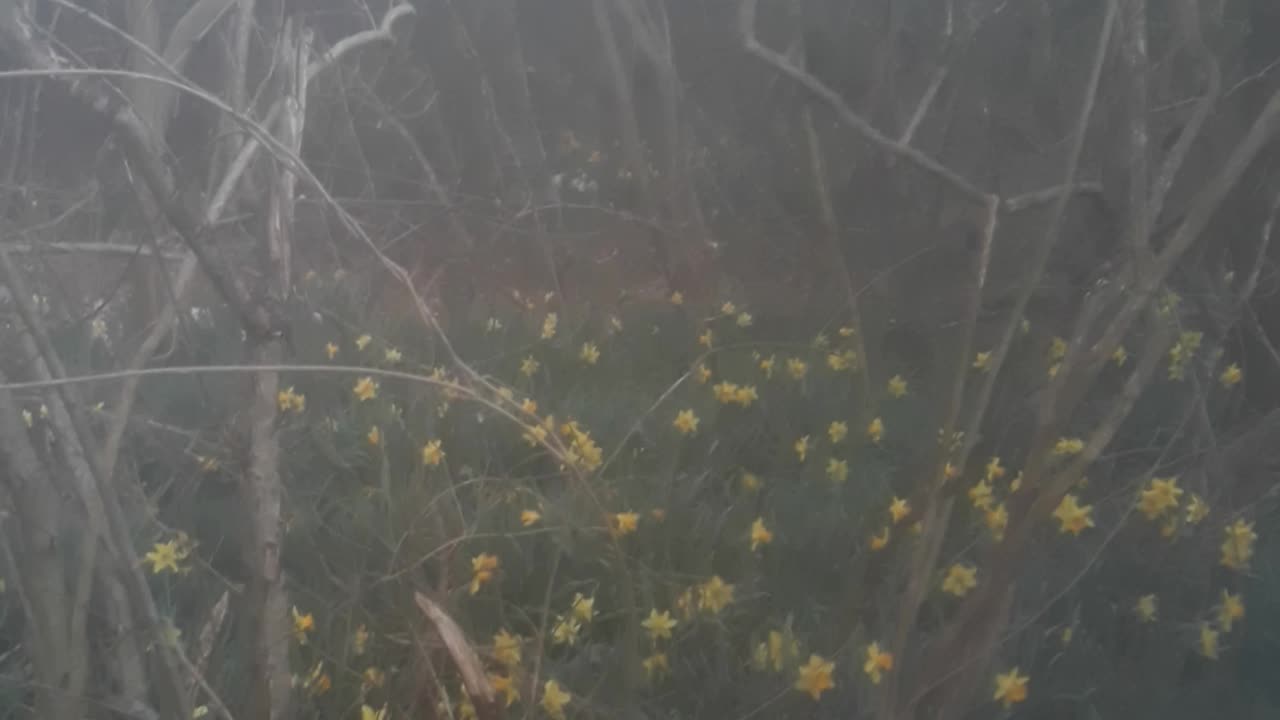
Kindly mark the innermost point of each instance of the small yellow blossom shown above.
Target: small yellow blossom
(374, 437)
(815, 677)
(897, 386)
(702, 374)
(746, 395)
(1057, 349)
(288, 400)
(878, 542)
(845, 331)
(365, 389)
(705, 339)
(432, 454)
(980, 495)
(583, 607)
(1231, 610)
(751, 482)
(1162, 495)
(760, 535)
(372, 677)
(330, 350)
(686, 422)
(960, 580)
(363, 341)
(554, 699)
(656, 666)
(483, 566)
(725, 392)
(163, 556)
(714, 595)
(1145, 608)
(801, 447)
(766, 366)
(1120, 356)
(837, 431)
(368, 713)
(1073, 516)
(303, 623)
(1182, 352)
(505, 686)
(623, 523)
(744, 320)
(492, 325)
(1208, 641)
(997, 520)
(840, 361)
(677, 298)
(506, 649)
(728, 308)
(1237, 547)
(821, 340)
(549, 324)
(1197, 510)
(837, 470)
(529, 518)
(878, 662)
(797, 368)
(875, 431)
(529, 366)
(529, 407)
(1011, 688)
(589, 353)
(994, 470)
(659, 626)
(1068, 446)
(392, 356)
(1231, 376)
(899, 508)
(982, 361)
(1016, 484)
(535, 435)
(360, 640)
(780, 651)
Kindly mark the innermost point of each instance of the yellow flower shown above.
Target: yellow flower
(980, 495)
(760, 535)
(744, 320)
(875, 431)
(845, 331)
(705, 339)
(1016, 484)
(877, 662)
(949, 471)
(1237, 548)
(960, 580)
(797, 368)
(372, 677)
(656, 666)
(1231, 610)
(728, 308)
(837, 470)
(392, 356)
(1120, 356)
(994, 470)
(725, 392)
(686, 422)
(287, 400)
(483, 566)
(997, 520)
(1068, 446)
(982, 361)
(549, 324)
(529, 407)
(359, 640)
(1011, 688)
(1073, 516)
(365, 389)
(1232, 375)
(374, 437)
(821, 340)
(677, 298)
(781, 650)
(554, 699)
(529, 518)
(1208, 641)
(368, 713)
(432, 454)
(589, 353)
(566, 632)
(897, 386)
(363, 341)
(815, 677)
(766, 367)
(529, 366)
(583, 607)
(505, 686)
(1057, 349)
(623, 523)
(1162, 495)
(1182, 352)
(878, 542)
(714, 595)
(702, 374)
(163, 556)
(802, 448)
(899, 508)
(658, 626)
(844, 360)
(536, 434)
(506, 649)
(1197, 510)
(492, 325)
(1146, 609)
(750, 482)
(330, 350)
(302, 624)
(837, 431)
(745, 395)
